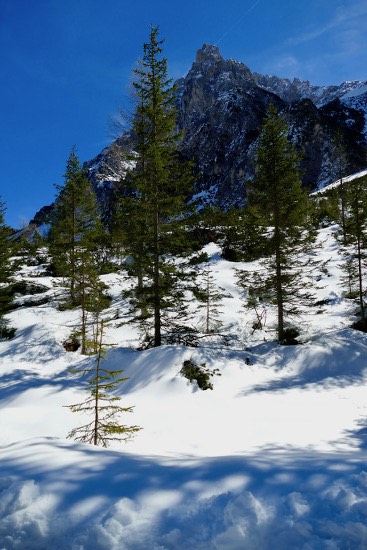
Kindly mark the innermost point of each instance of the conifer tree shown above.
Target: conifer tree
(75, 228)
(155, 212)
(105, 426)
(209, 296)
(243, 240)
(5, 271)
(280, 205)
(325, 208)
(354, 232)
(88, 290)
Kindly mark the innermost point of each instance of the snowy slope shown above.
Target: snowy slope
(274, 457)
(336, 183)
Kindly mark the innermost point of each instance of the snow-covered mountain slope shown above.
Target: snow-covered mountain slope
(293, 90)
(273, 457)
(336, 183)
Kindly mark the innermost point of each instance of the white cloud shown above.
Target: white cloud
(285, 65)
(342, 16)
(330, 52)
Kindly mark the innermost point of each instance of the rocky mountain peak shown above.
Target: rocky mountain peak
(208, 52)
(210, 64)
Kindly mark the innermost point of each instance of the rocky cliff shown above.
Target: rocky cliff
(221, 106)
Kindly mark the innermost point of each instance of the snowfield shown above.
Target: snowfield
(274, 457)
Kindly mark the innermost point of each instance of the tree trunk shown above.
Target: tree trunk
(156, 282)
(279, 290)
(208, 304)
(278, 268)
(360, 282)
(96, 404)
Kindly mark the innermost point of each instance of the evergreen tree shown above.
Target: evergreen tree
(74, 238)
(75, 228)
(6, 271)
(280, 206)
(105, 426)
(354, 232)
(155, 213)
(243, 239)
(325, 208)
(87, 289)
(209, 296)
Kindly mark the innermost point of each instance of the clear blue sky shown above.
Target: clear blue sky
(66, 67)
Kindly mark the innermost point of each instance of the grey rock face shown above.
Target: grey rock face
(293, 90)
(222, 106)
(220, 113)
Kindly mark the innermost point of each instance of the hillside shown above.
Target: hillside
(274, 456)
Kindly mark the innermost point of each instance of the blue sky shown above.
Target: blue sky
(66, 67)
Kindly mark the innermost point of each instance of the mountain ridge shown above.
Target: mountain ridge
(221, 107)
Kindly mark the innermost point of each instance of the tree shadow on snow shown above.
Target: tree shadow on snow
(14, 383)
(92, 481)
(337, 361)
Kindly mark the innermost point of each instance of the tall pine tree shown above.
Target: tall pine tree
(280, 206)
(75, 227)
(154, 214)
(354, 233)
(74, 238)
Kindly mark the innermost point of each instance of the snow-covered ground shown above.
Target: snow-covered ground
(274, 457)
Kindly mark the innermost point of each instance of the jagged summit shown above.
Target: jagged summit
(352, 93)
(208, 52)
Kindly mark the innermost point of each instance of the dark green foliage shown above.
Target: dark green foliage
(177, 334)
(31, 302)
(105, 425)
(6, 270)
(6, 332)
(154, 215)
(276, 195)
(207, 226)
(360, 325)
(30, 250)
(75, 227)
(200, 258)
(243, 241)
(354, 241)
(27, 287)
(200, 373)
(75, 235)
(279, 207)
(290, 335)
(325, 208)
